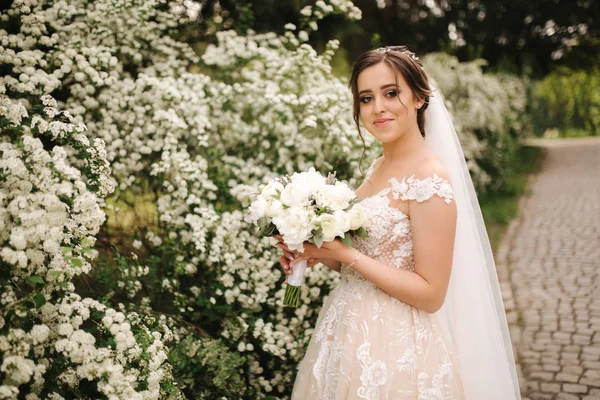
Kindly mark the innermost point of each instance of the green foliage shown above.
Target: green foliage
(499, 207)
(569, 100)
(207, 369)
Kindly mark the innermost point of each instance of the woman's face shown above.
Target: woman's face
(387, 111)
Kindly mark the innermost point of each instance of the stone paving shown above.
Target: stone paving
(548, 268)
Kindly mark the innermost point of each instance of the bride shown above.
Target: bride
(417, 313)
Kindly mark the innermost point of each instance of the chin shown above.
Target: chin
(385, 137)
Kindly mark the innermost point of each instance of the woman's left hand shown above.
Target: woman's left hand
(331, 250)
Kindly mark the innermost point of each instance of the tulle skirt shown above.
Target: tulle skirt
(368, 345)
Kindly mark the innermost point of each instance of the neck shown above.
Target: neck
(398, 151)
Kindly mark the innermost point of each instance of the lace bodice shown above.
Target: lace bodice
(390, 234)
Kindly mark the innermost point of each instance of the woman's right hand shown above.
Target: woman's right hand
(288, 256)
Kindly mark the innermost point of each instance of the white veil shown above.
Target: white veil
(473, 309)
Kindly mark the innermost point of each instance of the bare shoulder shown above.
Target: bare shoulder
(429, 166)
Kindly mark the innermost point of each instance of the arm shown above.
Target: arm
(433, 231)
(332, 264)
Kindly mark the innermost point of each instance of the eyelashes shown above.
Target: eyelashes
(389, 94)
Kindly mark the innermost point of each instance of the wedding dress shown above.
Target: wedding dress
(369, 345)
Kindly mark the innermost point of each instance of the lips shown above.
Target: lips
(382, 121)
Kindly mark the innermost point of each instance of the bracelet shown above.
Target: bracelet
(355, 260)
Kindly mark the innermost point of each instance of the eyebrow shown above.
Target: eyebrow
(380, 88)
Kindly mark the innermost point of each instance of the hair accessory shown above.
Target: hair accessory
(388, 49)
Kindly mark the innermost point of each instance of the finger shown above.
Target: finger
(297, 260)
(283, 262)
(282, 246)
(287, 267)
(289, 255)
(285, 248)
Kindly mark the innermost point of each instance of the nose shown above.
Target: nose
(378, 106)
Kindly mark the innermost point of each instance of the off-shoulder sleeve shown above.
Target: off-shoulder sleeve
(422, 189)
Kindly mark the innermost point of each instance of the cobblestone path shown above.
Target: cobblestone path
(548, 267)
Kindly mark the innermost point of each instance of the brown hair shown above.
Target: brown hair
(403, 61)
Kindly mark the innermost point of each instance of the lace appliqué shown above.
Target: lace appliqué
(374, 373)
(407, 362)
(421, 190)
(324, 370)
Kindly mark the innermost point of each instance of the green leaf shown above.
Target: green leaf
(66, 249)
(63, 285)
(318, 240)
(54, 274)
(39, 300)
(34, 280)
(362, 232)
(76, 262)
(347, 240)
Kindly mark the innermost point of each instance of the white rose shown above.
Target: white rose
(295, 226)
(272, 190)
(336, 197)
(274, 208)
(312, 179)
(344, 221)
(257, 208)
(295, 194)
(358, 216)
(329, 226)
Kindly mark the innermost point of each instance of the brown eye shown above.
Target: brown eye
(391, 94)
(365, 99)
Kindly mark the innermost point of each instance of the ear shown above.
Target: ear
(420, 103)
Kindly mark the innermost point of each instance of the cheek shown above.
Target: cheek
(401, 104)
(363, 113)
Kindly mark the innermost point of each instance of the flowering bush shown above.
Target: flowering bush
(489, 113)
(196, 310)
(53, 342)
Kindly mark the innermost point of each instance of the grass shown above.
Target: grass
(499, 208)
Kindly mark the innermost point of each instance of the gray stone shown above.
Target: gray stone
(565, 377)
(550, 387)
(547, 266)
(574, 388)
(566, 396)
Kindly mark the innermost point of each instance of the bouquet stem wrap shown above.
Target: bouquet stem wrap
(295, 281)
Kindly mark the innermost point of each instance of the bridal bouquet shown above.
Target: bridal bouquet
(307, 207)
